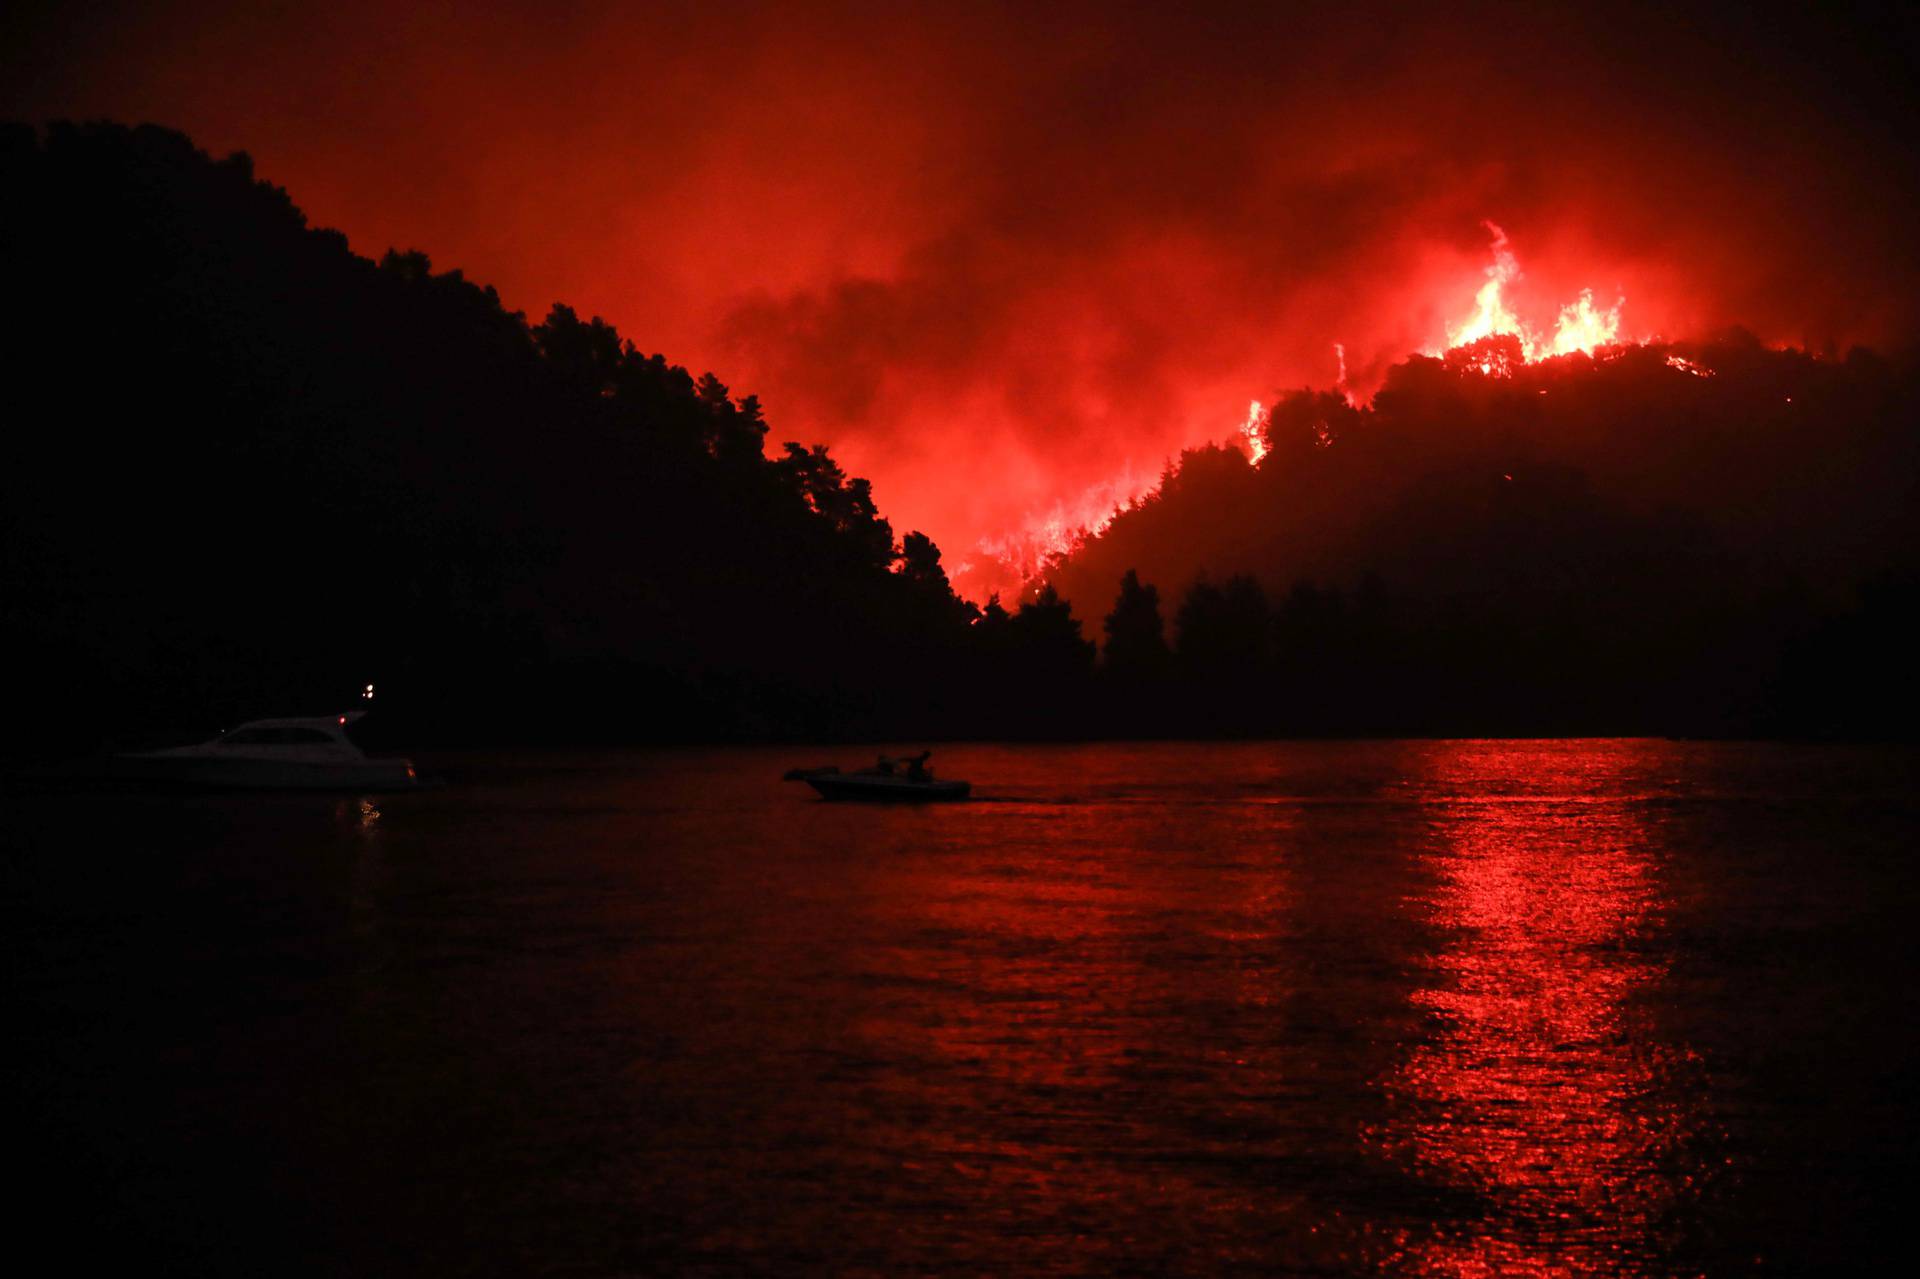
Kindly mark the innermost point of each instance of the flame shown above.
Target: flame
(1688, 366)
(1340, 383)
(1491, 314)
(1254, 432)
(1582, 325)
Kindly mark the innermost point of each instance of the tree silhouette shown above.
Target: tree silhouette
(287, 469)
(920, 563)
(516, 529)
(1223, 631)
(1047, 642)
(1136, 649)
(1636, 541)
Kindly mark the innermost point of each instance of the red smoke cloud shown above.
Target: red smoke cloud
(999, 260)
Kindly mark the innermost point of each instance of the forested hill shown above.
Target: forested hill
(1705, 537)
(246, 471)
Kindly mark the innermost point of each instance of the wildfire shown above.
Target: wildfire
(1491, 314)
(1340, 383)
(1582, 326)
(1254, 432)
(1048, 534)
(1025, 553)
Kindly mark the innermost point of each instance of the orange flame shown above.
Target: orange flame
(1254, 432)
(1582, 326)
(1491, 314)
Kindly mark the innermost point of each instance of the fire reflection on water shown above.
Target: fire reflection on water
(1257, 1034)
(1266, 1008)
(1544, 1091)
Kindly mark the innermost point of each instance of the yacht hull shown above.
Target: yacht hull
(256, 774)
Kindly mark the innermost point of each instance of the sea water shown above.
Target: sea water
(1423, 1008)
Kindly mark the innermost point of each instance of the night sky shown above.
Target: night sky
(1006, 261)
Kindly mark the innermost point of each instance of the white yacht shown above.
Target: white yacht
(275, 754)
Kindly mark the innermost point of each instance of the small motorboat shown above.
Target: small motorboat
(273, 754)
(880, 787)
(889, 782)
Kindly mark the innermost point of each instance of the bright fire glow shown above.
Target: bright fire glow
(1254, 432)
(1491, 314)
(1044, 536)
(1685, 365)
(1340, 383)
(1582, 325)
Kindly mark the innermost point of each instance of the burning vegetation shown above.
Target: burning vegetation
(1492, 339)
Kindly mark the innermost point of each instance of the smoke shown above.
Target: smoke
(1007, 263)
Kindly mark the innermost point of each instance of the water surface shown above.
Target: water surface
(1422, 1008)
